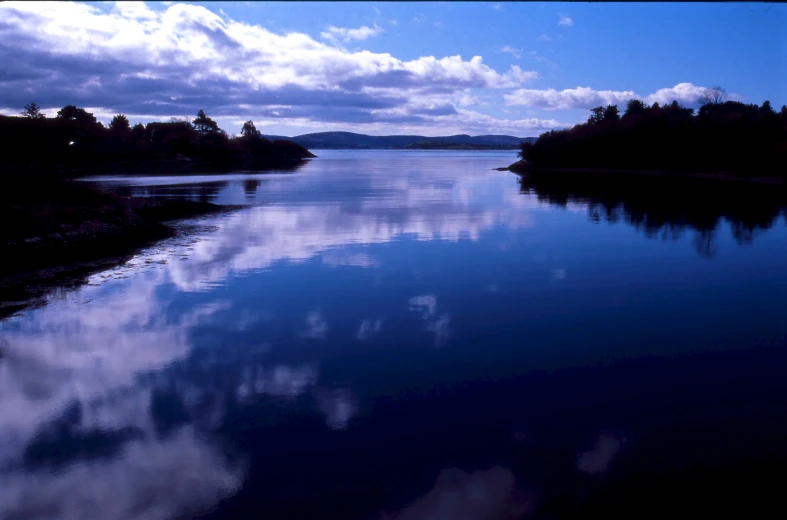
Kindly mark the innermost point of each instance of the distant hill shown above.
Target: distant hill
(352, 141)
(439, 145)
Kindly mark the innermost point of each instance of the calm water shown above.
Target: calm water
(388, 328)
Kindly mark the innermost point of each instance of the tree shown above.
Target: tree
(205, 125)
(597, 115)
(635, 107)
(713, 96)
(611, 113)
(524, 149)
(120, 125)
(76, 114)
(249, 130)
(33, 111)
(766, 108)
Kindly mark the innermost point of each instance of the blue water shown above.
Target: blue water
(388, 331)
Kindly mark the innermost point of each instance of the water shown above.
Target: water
(383, 328)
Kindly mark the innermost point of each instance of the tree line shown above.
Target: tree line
(723, 136)
(74, 140)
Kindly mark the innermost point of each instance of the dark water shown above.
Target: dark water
(390, 328)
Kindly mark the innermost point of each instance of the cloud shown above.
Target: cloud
(517, 53)
(497, 7)
(419, 18)
(685, 93)
(565, 21)
(339, 405)
(368, 328)
(484, 494)
(148, 480)
(342, 33)
(586, 97)
(580, 97)
(598, 459)
(543, 38)
(174, 60)
(316, 326)
(426, 305)
(441, 330)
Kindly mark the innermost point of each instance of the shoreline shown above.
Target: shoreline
(64, 230)
(522, 169)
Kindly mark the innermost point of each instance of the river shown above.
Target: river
(381, 331)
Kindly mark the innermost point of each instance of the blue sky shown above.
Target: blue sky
(385, 68)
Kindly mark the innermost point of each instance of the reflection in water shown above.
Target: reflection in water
(666, 208)
(284, 363)
(483, 495)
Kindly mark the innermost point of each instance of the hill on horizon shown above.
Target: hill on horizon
(350, 140)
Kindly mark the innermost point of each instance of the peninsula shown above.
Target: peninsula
(726, 140)
(53, 219)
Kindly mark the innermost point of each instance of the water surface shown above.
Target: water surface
(384, 328)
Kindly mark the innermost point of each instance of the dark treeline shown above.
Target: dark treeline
(667, 208)
(75, 142)
(724, 136)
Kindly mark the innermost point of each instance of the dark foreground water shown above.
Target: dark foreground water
(410, 334)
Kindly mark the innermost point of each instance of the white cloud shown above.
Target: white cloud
(517, 53)
(419, 18)
(147, 480)
(497, 7)
(167, 62)
(586, 97)
(393, 21)
(437, 24)
(686, 93)
(134, 10)
(543, 38)
(345, 34)
(580, 97)
(565, 21)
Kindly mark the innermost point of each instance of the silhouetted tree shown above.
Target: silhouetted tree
(205, 125)
(76, 114)
(120, 125)
(249, 130)
(33, 111)
(766, 108)
(714, 96)
(729, 136)
(611, 113)
(596, 115)
(635, 107)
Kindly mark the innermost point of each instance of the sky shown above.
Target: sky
(385, 68)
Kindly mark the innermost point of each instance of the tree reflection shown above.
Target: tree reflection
(663, 208)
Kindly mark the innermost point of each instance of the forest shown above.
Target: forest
(722, 137)
(74, 142)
